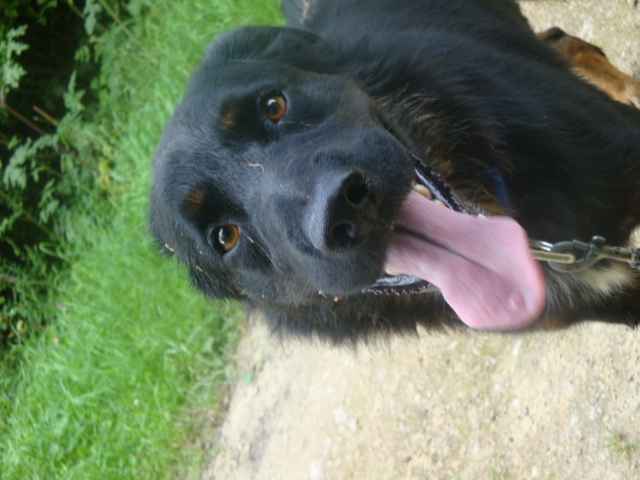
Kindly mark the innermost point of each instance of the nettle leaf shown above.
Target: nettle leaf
(48, 204)
(90, 12)
(45, 142)
(18, 170)
(13, 143)
(73, 98)
(12, 45)
(6, 224)
(15, 173)
(12, 72)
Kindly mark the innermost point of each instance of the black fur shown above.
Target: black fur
(462, 83)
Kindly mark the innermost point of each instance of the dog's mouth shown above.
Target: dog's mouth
(430, 185)
(482, 265)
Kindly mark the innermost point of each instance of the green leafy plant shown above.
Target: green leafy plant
(10, 48)
(46, 164)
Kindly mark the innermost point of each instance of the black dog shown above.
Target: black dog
(284, 178)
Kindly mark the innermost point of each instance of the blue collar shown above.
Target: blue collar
(497, 185)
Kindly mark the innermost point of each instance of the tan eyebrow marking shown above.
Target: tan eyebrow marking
(229, 118)
(195, 200)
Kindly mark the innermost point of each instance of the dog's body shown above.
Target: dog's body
(283, 178)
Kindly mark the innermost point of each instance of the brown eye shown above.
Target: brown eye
(224, 238)
(274, 107)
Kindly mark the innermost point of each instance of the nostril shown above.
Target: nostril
(344, 234)
(358, 193)
(341, 212)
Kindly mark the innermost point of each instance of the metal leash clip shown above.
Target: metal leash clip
(562, 258)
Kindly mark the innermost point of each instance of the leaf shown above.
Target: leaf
(15, 174)
(12, 72)
(6, 224)
(91, 11)
(17, 171)
(13, 143)
(73, 98)
(15, 33)
(48, 204)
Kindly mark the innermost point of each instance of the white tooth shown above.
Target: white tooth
(481, 216)
(440, 202)
(392, 272)
(424, 191)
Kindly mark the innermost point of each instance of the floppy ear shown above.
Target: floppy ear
(290, 46)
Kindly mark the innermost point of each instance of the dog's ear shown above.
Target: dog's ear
(290, 46)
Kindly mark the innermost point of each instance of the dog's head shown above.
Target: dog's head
(276, 179)
(279, 180)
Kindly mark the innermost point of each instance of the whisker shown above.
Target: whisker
(275, 265)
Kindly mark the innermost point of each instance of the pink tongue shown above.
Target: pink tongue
(482, 266)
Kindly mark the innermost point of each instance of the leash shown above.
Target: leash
(565, 256)
(562, 257)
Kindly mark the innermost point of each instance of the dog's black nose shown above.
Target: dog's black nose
(342, 211)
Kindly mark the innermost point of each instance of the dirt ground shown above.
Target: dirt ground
(563, 405)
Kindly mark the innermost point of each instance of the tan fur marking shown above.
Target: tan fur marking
(610, 280)
(635, 238)
(229, 119)
(195, 200)
(593, 66)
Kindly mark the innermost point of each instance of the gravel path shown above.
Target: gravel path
(562, 405)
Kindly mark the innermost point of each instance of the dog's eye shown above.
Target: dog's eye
(274, 107)
(225, 238)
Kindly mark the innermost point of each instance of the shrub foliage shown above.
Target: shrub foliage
(50, 151)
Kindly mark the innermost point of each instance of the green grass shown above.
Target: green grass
(619, 445)
(126, 381)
